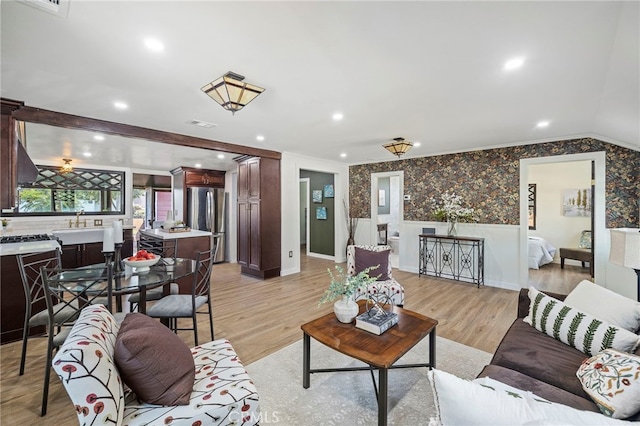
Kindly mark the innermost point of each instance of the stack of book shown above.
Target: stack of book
(376, 321)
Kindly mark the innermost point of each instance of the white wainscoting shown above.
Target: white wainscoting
(501, 248)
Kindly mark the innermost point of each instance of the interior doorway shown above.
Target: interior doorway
(387, 211)
(599, 245)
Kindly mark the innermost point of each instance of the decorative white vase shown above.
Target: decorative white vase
(345, 309)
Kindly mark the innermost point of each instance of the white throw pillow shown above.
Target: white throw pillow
(605, 304)
(612, 380)
(576, 328)
(461, 402)
(499, 386)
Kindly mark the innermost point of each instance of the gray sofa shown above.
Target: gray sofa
(530, 360)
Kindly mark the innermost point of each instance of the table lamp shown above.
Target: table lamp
(625, 250)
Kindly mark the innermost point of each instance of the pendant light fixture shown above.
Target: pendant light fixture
(399, 147)
(66, 167)
(231, 92)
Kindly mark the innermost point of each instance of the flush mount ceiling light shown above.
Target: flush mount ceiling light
(399, 147)
(66, 167)
(231, 93)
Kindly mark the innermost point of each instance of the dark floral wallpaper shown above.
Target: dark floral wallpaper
(488, 181)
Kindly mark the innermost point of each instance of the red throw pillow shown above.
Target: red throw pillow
(153, 361)
(365, 258)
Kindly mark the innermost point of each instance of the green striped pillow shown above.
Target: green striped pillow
(574, 328)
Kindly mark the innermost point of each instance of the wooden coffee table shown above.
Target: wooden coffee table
(380, 352)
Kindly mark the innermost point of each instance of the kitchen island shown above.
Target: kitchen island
(189, 243)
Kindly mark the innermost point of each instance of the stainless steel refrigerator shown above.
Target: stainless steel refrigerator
(206, 211)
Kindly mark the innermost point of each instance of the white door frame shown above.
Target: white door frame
(374, 205)
(307, 242)
(601, 246)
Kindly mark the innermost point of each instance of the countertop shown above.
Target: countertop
(158, 233)
(28, 247)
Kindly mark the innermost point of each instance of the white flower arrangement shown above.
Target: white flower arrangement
(449, 209)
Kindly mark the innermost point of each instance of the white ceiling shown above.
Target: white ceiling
(427, 71)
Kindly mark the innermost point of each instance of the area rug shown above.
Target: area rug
(348, 398)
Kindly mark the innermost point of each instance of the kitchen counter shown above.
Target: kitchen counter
(188, 245)
(28, 247)
(163, 235)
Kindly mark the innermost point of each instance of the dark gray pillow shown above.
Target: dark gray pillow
(366, 258)
(153, 361)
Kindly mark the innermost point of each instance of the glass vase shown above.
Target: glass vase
(451, 228)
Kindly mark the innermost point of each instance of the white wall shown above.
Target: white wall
(290, 166)
(551, 180)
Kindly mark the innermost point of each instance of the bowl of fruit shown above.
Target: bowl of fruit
(142, 260)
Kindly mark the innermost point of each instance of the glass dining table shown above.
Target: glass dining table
(129, 280)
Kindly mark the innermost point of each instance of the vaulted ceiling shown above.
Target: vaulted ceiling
(431, 72)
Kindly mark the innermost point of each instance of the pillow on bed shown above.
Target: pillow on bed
(606, 305)
(577, 329)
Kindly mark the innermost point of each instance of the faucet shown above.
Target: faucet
(78, 218)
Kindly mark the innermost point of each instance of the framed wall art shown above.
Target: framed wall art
(532, 206)
(328, 191)
(576, 202)
(317, 195)
(321, 213)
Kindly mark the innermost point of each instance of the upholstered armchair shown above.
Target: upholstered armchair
(109, 371)
(386, 289)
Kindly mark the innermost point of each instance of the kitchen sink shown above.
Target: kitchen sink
(79, 235)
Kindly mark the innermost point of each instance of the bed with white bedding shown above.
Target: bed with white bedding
(541, 252)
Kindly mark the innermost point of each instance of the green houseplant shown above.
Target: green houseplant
(343, 288)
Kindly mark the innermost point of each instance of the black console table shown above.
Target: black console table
(457, 258)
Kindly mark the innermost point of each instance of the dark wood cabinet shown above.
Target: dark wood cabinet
(259, 217)
(188, 177)
(76, 255)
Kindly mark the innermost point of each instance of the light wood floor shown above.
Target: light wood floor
(260, 317)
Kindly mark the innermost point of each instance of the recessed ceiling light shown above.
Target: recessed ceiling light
(343, 155)
(416, 144)
(201, 123)
(86, 154)
(221, 156)
(197, 165)
(98, 137)
(154, 44)
(338, 116)
(514, 63)
(260, 138)
(542, 123)
(120, 105)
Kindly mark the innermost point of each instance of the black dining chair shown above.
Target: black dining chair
(36, 314)
(175, 306)
(67, 292)
(167, 249)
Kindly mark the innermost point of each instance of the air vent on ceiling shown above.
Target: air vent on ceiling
(55, 7)
(201, 123)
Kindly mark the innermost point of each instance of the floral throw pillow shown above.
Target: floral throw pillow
(612, 380)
